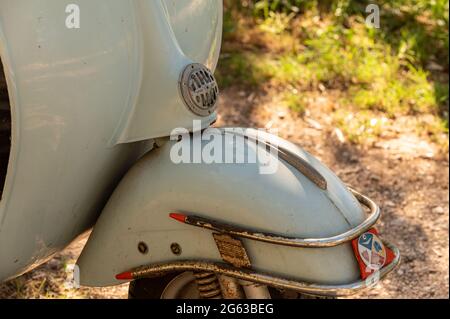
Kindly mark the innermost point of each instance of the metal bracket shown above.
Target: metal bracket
(232, 250)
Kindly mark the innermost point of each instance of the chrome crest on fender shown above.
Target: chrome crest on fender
(199, 89)
(372, 251)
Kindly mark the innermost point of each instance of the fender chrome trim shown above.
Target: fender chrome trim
(157, 270)
(237, 231)
(294, 160)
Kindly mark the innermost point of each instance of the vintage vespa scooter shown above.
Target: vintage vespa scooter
(87, 116)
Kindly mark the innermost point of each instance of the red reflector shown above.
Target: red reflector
(371, 253)
(128, 275)
(179, 217)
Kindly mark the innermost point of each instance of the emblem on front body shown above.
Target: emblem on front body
(372, 251)
(199, 89)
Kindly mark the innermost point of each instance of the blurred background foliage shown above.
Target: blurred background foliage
(295, 48)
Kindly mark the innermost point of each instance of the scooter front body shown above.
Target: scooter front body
(87, 104)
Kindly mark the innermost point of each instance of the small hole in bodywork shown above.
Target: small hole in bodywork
(5, 129)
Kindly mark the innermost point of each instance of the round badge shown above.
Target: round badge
(372, 251)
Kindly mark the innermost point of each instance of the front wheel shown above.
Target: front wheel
(184, 286)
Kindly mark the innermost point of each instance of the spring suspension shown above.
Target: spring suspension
(208, 285)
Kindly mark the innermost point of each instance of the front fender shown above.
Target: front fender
(286, 202)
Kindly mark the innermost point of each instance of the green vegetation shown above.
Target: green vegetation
(305, 46)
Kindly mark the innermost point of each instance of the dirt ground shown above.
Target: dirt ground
(405, 174)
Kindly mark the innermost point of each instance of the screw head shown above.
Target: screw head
(143, 248)
(176, 249)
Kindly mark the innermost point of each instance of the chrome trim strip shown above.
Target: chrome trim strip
(292, 241)
(267, 279)
(294, 160)
(302, 166)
